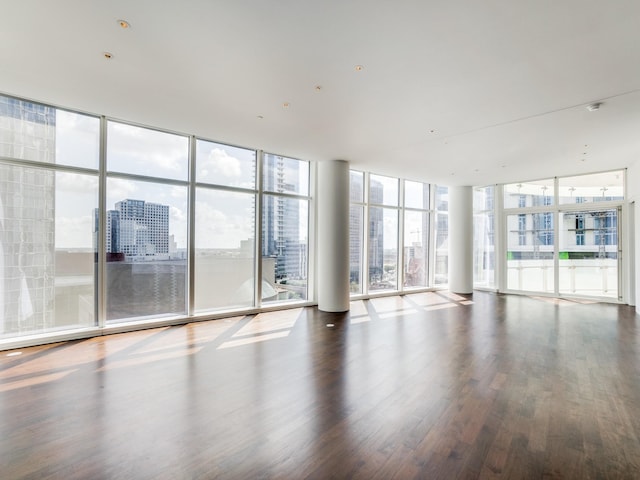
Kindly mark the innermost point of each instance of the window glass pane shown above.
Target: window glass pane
(529, 194)
(356, 186)
(383, 248)
(47, 255)
(284, 248)
(441, 268)
(356, 238)
(383, 190)
(224, 257)
(225, 165)
(598, 187)
(588, 258)
(31, 131)
(483, 237)
(442, 199)
(146, 237)
(77, 139)
(416, 234)
(285, 175)
(416, 195)
(530, 239)
(142, 151)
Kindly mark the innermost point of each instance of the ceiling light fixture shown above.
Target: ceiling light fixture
(318, 88)
(286, 105)
(107, 55)
(594, 106)
(124, 24)
(359, 68)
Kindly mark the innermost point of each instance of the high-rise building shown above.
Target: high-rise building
(281, 220)
(27, 213)
(137, 228)
(376, 232)
(144, 228)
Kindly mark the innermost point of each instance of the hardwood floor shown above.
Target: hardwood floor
(430, 385)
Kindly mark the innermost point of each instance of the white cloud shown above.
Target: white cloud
(219, 162)
(177, 214)
(134, 149)
(75, 183)
(120, 189)
(219, 229)
(74, 232)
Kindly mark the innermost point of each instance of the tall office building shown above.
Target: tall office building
(143, 228)
(27, 213)
(376, 232)
(356, 214)
(281, 220)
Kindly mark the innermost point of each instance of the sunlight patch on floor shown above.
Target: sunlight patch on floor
(37, 380)
(427, 298)
(144, 358)
(254, 339)
(270, 321)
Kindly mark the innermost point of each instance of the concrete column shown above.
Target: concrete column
(333, 236)
(461, 239)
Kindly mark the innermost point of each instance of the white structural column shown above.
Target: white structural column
(461, 239)
(333, 236)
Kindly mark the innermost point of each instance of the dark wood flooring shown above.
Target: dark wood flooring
(431, 385)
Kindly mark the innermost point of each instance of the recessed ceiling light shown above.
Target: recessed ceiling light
(286, 105)
(259, 117)
(107, 55)
(318, 88)
(432, 131)
(359, 68)
(124, 24)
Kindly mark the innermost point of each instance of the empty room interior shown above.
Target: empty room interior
(341, 239)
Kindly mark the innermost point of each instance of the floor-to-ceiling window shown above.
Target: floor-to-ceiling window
(285, 219)
(416, 234)
(590, 207)
(562, 235)
(484, 237)
(103, 222)
(225, 216)
(356, 231)
(397, 213)
(146, 224)
(530, 236)
(48, 194)
(441, 263)
(383, 233)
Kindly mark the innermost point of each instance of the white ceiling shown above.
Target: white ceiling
(503, 85)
